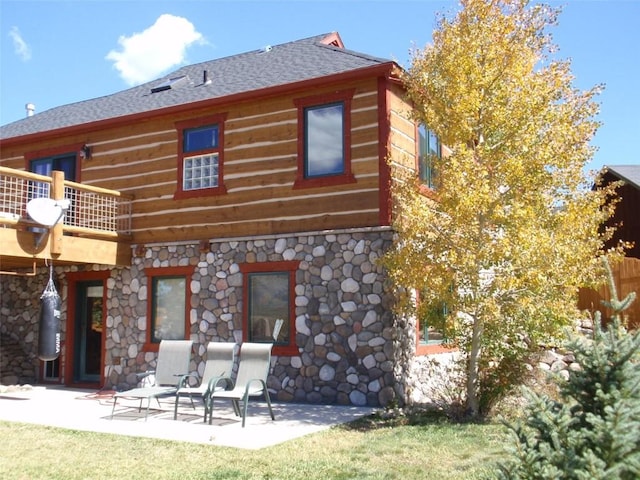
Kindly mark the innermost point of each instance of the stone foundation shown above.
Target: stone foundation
(345, 331)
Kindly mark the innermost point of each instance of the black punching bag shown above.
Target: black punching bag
(49, 335)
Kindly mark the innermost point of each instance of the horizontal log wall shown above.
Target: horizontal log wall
(402, 145)
(260, 168)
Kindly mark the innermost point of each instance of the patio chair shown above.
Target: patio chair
(171, 368)
(254, 362)
(217, 368)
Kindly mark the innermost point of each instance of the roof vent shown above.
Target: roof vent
(205, 78)
(267, 48)
(169, 84)
(31, 108)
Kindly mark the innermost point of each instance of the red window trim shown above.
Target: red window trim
(425, 190)
(54, 152)
(346, 97)
(73, 278)
(217, 119)
(426, 348)
(283, 266)
(422, 349)
(151, 273)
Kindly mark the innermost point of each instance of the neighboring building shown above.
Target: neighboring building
(208, 204)
(626, 219)
(627, 212)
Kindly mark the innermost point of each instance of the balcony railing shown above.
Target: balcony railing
(93, 211)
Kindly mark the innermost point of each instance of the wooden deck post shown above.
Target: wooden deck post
(57, 193)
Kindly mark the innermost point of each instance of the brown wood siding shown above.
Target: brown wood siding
(260, 168)
(627, 217)
(626, 276)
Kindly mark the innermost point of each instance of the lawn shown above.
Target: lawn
(366, 449)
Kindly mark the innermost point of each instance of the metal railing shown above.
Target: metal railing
(93, 211)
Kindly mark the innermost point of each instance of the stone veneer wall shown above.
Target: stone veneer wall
(19, 320)
(344, 326)
(428, 378)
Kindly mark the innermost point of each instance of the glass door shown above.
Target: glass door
(88, 332)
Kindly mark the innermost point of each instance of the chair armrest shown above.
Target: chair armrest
(145, 374)
(262, 383)
(213, 383)
(184, 377)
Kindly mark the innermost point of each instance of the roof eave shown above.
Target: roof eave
(620, 176)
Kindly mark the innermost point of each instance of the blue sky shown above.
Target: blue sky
(55, 52)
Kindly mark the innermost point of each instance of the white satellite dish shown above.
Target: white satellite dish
(46, 211)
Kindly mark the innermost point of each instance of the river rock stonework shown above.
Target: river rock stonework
(19, 321)
(345, 331)
(344, 327)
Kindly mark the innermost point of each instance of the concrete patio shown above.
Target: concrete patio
(90, 410)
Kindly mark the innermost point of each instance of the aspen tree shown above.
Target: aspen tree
(513, 226)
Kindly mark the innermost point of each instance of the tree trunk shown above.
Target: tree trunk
(473, 404)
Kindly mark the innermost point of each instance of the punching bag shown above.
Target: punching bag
(49, 334)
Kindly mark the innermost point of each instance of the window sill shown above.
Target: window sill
(201, 192)
(434, 349)
(285, 350)
(428, 192)
(150, 347)
(327, 181)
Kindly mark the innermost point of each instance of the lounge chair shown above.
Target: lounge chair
(251, 381)
(171, 368)
(217, 368)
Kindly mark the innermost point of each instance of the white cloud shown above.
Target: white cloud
(146, 55)
(20, 47)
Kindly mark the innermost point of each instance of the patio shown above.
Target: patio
(90, 410)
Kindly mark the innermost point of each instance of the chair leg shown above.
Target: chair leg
(146, 414)
(236, 407)
(175, 407)
(115, 400)
(245, 405)
(266, 395)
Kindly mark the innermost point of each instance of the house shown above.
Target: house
(626, 219)
(627, 212)
(209, 204)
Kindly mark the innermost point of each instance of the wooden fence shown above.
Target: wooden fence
(626, 275)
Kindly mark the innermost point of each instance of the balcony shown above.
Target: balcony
(95, 228)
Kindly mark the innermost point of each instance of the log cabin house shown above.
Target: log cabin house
(208, 204)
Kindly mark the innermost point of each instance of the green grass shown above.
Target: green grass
(367, 449)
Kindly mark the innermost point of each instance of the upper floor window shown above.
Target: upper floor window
(200, 157)
(429, 149)
(269, 304)
(324, 140)
(167, 310)
(65, 163)
(44, 165)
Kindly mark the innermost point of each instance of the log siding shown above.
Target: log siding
(260, 163)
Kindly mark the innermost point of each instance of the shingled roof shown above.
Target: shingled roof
(288, 63)
(628, 173)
